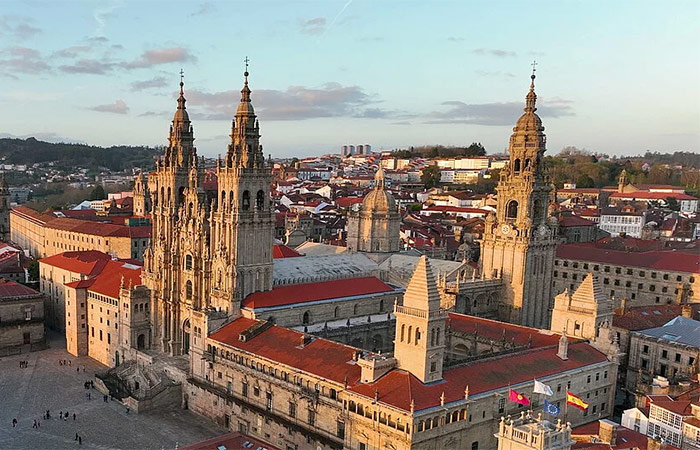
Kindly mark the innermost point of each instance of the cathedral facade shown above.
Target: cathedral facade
(210, 248)
(520, 238)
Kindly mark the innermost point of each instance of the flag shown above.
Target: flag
(576, 401)
(541, 388)
(551, 408)
(517, 397)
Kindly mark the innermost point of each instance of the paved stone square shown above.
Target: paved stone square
(26, 394)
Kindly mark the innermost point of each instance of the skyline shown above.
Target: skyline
(352, 72)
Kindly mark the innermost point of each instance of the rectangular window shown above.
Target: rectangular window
(292, 409)
(678, 357)
(340, 430)
(664, 354)
(501, 405)
(109, 338)
(268, 400)
(100, 334)
(244, 389)
(312, 417)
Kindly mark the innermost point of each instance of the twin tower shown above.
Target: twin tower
(212, 239)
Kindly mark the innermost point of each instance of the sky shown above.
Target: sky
(612, 77)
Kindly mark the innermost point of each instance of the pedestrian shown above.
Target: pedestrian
(60, 414)
(38, 423)
(34, 425)
(70, 362)
(14, 423)
(48, 414)
(127, 410)
(76, 437)
(80, 440)
(77, 369)
(89, 396)
(73, 416)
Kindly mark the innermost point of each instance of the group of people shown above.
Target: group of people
(23, 364)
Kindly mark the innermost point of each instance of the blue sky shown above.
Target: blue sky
(613, 77)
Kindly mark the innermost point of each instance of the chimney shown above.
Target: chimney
(687, 311)
(608, 431)
(655, 444)
(563, 348)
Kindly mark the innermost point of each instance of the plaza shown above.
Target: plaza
(26, 394)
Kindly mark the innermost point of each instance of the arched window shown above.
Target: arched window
(305, 318)
(188, 289)
(354, 310)
(223, 198)
(527, 163)
(516, 165)
(336, 312)
(417, 336)
(260, 200)
(170, 198)
(403, 331)
(410, 332)
(432, 336)
(188, 262)
(181, 195)
(381, 305)
(245, 202)
(437, 336)
(512, 210)
(537, 209)
(231, 198)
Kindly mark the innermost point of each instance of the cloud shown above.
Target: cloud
(22, 60)
(154, 82)
(496, 73)
(17, 27)
(44, 136)
(118, 107)
(497, 113)
(294, 103)
(152, 58)
(493, 52)
(92, 66)
(153, 114)
(313, 26)
(101, 15)
(71, 52)
(204, 9)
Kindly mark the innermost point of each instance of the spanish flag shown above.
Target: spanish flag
(576, 401)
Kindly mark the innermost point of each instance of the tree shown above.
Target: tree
(98, 193)
(430, 176)
(33, 271)
(584, 181)
(673, 204)
(476, 149)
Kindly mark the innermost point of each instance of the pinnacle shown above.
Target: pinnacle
(422, 291)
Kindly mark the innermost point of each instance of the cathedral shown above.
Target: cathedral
(520, 238)
(210, 248)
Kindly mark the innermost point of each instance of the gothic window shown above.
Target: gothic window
(245, 203)
(188, 289)
(516, 165)
(305, 318)
(223, 198)
(260, 200)
(188, 262)
(512, 210)
(537, 209)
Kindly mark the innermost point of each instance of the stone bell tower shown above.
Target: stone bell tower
(243, 221)
(4, 209)
(520, 238)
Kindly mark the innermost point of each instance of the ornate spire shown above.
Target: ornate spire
(379, 182)
(181, 112)
(531, 97)
(245, 92)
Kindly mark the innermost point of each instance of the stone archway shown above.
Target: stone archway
(186, 337)
(141, 341)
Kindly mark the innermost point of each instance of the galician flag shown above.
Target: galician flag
(541, 388)
(576, 401)
(517, 397)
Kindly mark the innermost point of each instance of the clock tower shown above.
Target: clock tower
(520, 238)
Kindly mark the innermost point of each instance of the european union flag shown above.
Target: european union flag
(551, 408)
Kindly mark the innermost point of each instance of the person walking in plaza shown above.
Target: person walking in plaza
(34, 425)
(73, 416)
(14, 423)
(38, 423)
(76, 436)
(80, 440)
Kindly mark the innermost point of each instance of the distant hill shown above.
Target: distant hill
(116, 158)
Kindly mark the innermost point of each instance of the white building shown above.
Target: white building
(626, 219)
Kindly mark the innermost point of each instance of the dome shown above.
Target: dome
(529, 122)
(379, 200)
(245, 108)
(181, 115)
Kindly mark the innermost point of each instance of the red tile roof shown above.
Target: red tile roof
(669, 260)
(680, 407)
(399, 388)
(230, 441)
(10, 289)
(108, 282)
(493, 329)
(456, 209)
(89, 262)
(310, 292)
(643, 195)
(626, 438)
(320, 357)
(346, 202)
(645, 317)
(30, 214)
(575, 221)
(282, 251)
